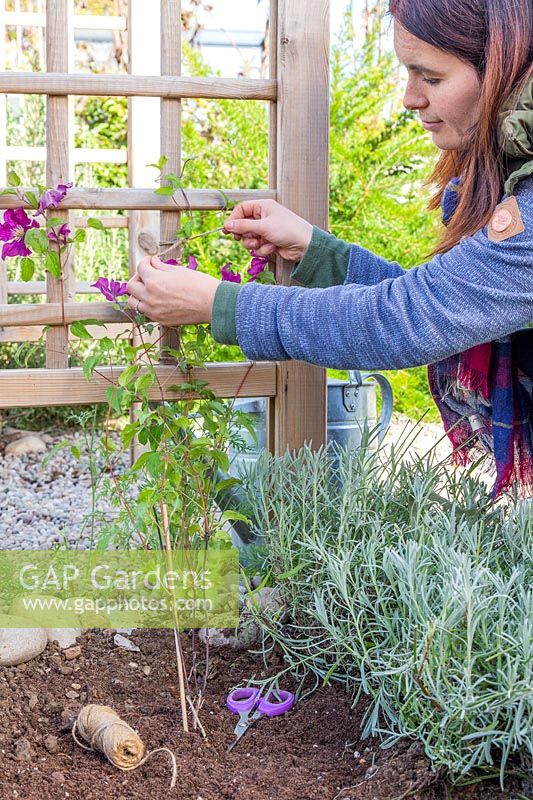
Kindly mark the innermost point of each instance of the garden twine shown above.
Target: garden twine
(106, 731)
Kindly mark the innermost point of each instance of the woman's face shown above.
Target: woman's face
(443, 89)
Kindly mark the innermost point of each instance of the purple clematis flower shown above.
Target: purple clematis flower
(257, 265)
(111, 289)
(51, 198)
(61, 236)
(229, 275)
(12, 232)
(193, 263)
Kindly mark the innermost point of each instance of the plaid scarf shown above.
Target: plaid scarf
(485, 398)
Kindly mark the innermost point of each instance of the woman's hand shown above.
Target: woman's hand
(171, 295)
(268, 227)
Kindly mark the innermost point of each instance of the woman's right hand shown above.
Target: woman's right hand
(268, 227)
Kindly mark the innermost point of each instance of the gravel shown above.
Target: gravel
(43, 506)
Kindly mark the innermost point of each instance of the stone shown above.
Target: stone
(72, 652)
(10, 433)
(65, 637)
(57, 777)
(23, 750)
(127, 644)
(33, 701)
(51, 744)
(147, 670)
(25, 445)
(267, 599)
(72, 695)
(19, 644)
(217, 638)
(68, 715)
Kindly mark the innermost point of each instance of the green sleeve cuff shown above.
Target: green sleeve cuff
(223, 324)
(325, 262)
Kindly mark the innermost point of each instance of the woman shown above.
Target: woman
(470, 78)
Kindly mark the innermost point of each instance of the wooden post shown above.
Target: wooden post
(143, 120)
(59, 44)
(143, 139)
(271, 426)
(170, 140)
(302, 183)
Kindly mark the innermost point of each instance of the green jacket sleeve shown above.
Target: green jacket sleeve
(324, 264)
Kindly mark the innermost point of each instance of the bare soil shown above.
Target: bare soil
(313, 753)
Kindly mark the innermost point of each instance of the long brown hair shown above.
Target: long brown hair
(496, 38)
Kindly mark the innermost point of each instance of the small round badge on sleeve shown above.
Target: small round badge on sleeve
(506, 221)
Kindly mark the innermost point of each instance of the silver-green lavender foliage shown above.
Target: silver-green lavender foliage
(408, 584)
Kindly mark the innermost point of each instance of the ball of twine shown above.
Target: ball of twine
(105, 731)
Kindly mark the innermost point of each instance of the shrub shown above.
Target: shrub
(406, 583)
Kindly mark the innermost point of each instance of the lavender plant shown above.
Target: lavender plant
(404, 582)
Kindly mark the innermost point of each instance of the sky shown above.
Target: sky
(246, 23)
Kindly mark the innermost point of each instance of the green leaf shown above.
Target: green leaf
(78, 329)
(37, 239)
(128, 433)
(13, 179)
(75, 451)
(89, 365)
(221, 460)
(230, 515)
(266, 277)
(80, 235)
(166, 191)
(94, 322)
(227, 483)
(141, 461)
(54, 222)
(27, 268)
(53, 264)
(143, 382)
(294, 571)
(159, 164)
(127, 374)
(31, 199)
(94, 222)
(106, 344)
(114, 398)
(186, 229)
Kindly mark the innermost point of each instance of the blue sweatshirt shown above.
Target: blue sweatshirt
(369, 313)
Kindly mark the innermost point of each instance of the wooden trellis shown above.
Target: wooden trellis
(297, 92)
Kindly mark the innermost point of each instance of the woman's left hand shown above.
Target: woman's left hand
(171, 295)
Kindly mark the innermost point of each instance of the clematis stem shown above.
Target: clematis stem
(178, 242)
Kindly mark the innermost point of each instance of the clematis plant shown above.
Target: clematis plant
(13, 232)
(168, 497)
(111, 289)
(39, 240)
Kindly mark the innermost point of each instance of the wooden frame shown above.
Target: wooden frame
(297, 91)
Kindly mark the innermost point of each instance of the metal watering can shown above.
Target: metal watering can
(350, 407)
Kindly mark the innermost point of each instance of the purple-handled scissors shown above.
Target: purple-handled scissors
(244, 701)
